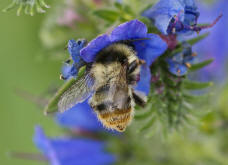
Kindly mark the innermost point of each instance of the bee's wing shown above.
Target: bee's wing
(119, 90)
(77, 93)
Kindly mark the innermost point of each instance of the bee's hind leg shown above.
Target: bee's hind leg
(139, 98)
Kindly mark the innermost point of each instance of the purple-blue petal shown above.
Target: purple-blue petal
(81, 116)
(74, 48)
(177, 68)
(129, 30)
(188, 3)
(150, 49)
(69, 71)
(178, 64)
(89, 53)
(145, 78)
(68, 151)
(162, 13)
(44, 145)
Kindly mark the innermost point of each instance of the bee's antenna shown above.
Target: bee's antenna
(139, 39)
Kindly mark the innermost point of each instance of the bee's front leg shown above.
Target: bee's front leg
(133, 71)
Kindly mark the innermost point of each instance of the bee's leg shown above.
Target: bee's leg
(132, 66)
(133, 70)
(139, 98)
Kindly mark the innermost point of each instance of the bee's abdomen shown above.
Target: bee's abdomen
(117, 120)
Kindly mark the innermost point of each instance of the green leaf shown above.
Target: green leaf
(197, 39)
(118, 5)
(27, 6)
(144, 115)
(200, 65)
(194, 98)
(191, 85)
(148, 124)
(148, 6)
(203, 24)
(107, 14)
(52, 106)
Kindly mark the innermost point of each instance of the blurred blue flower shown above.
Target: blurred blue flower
(179, 63)
(148, 46)
(176, 16)
(71, 70)
(216, 44)
(80, 117)
(69, 151)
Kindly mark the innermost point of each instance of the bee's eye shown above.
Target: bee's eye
(79, 42)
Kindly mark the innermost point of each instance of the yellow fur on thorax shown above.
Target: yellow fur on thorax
(102, 73)
(126, 50)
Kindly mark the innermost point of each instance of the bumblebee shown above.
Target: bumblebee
(110, 81)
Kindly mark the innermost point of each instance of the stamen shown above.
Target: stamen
(213, 23)
(199, 28)
(188, 65)
(194, 54)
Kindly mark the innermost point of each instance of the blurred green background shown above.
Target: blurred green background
(21, 68)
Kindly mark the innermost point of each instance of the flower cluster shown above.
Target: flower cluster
(71, 70)
(180, 62)
(176, 16)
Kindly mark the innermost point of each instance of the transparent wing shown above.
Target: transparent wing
(77, 93)
(119, 90)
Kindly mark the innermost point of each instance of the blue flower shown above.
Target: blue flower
(148, 46)
(176, 16)
(80, 117)
(71, 70)
(179, 63)
(69, 151)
